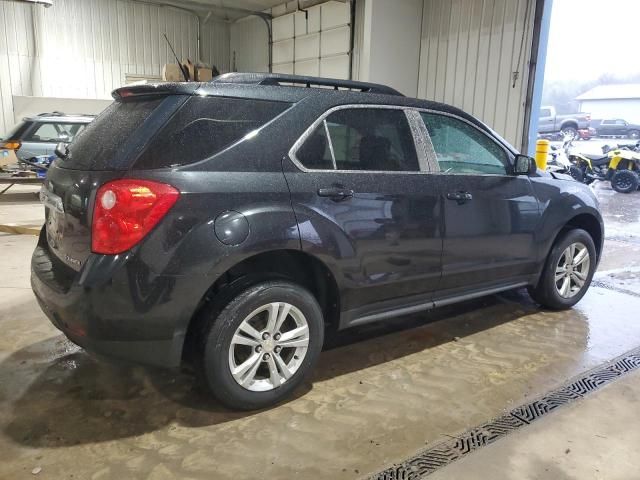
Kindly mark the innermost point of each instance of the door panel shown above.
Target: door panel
(489, 239)
(384, 242)
(489, 214)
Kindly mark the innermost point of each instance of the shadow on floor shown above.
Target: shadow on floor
(75, 399)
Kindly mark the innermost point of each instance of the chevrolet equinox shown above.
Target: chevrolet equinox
(231, 223)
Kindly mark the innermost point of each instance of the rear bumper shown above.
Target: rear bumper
(126, 313)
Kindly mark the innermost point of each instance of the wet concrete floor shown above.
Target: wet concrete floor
(380, 394)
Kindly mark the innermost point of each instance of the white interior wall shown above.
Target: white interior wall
(215, 44)
(313, 44)
(388, 43)
(249, 45)
(84, 48)
(25, 106)
(460, 52)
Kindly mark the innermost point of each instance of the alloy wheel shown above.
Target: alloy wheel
(572, 270)
(269, 346)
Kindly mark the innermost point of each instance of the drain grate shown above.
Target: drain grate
(447, 452)
(608, 286)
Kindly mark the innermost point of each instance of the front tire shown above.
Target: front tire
(625, 181)
(567, 272)
(262, 345)
(576, 173)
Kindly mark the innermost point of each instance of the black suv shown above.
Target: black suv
(232, 222)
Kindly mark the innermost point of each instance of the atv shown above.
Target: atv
(619, 165)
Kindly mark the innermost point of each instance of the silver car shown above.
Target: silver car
(37, 136)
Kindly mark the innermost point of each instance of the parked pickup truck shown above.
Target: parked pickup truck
(550, 122)
(616, 127)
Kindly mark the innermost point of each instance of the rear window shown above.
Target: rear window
(205, 126)
(96, 146)
(51, 132)
(16, 132)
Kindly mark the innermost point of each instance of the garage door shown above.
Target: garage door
(313, 43)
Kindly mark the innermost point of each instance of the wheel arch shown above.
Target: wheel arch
(285, 264)
(588, 223)
(569, 123)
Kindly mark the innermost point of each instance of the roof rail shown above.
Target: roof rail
(57, 113)
(283, 79)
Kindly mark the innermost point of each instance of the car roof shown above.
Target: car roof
(295, 88)
(289, 88)
(61, 117)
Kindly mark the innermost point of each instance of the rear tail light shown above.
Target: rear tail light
(11, 145)
(126, 211)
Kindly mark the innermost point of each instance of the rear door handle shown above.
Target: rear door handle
(460, 197)
(335, 193)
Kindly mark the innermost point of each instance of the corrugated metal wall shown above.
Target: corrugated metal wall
(214, 44)
(84, 48)
(16, 53)
(469, 52)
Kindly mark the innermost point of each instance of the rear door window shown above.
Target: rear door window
(205, 126)
(315, 153)
(362, 139)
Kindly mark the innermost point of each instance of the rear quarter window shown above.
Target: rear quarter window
(205, 126)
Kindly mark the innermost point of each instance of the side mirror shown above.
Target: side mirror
(524, 165)
(62, 150)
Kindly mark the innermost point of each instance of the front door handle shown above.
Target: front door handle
(460, 197)
(335, 193)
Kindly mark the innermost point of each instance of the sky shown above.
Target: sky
(591, 37)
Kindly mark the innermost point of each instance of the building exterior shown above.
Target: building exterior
(612, 101)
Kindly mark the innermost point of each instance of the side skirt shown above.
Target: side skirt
(406, 306)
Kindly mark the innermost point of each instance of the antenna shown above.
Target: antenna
(182, 69)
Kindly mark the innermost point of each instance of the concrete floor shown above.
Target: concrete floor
(380, 394)
(582, 441)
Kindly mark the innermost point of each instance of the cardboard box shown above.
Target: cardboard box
(190, 68)
(171, 73)
(203, 74)
(7, 157)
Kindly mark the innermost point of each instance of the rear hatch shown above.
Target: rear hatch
(104, 151)
(146, 128)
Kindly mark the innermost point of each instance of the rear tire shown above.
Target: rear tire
(625, 181)
(552, 291)
(239, 336)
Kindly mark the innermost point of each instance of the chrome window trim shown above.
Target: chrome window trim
(328, 134)
(508, 153)
(422, 136)
(322, 118)
(419, 141)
